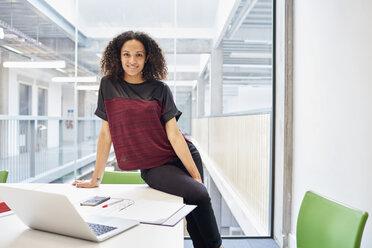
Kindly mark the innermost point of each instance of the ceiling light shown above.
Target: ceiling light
(2, 35)
(74, 79)
(87, 87)
(61, 70)
(35, 64)
(12, 49)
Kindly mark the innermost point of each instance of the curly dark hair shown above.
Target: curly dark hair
(155, 68)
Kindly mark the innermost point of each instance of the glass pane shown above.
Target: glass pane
(24, 99)
(42, 102)
(220, 63)
(234, 122)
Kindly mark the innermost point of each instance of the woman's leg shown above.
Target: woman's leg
(174, 179)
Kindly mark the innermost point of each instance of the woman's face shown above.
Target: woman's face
(133, 57)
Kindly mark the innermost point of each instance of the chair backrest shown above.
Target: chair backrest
(3, 176)
(110, 177)
(323, 223)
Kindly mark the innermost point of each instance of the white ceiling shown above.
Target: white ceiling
(47, 27)
(103, 19)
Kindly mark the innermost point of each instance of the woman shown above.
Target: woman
(139, 117)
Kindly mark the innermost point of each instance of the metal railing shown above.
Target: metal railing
(33, 147)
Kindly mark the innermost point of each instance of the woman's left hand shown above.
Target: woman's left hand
(199, 180)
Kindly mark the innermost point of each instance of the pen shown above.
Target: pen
(112, 203)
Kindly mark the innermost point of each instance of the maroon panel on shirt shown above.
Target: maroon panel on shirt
(138, 136)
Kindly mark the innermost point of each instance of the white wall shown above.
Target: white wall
(332, 104)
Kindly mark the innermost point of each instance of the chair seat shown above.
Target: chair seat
(116, 177)
(3, 176)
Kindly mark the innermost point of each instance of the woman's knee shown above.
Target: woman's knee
(198, 197)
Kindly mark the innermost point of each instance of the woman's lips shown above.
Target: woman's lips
(132, 67)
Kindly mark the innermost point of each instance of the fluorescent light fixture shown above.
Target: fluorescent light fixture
(87, 87)
(35, 64)
(12, 49)
(251, 55)
(61, 70)
(2, 35)
(74, 79)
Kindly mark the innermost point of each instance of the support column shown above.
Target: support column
(4, 85)
(200, 96)
(216, 87)
(194, 103)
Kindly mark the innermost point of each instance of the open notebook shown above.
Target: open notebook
(145, 211)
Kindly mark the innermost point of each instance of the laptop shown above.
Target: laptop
(52, 212)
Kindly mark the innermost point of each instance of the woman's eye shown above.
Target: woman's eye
(125, 54)
(139, 55)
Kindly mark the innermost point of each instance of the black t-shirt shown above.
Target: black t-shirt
(136, 114)
(148, 90)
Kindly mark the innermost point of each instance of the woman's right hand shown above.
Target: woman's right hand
(85, 184)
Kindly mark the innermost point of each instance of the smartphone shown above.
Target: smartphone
(94, 201)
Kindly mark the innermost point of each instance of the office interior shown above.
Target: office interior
(275, 94)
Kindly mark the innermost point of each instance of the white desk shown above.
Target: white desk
(15, 234)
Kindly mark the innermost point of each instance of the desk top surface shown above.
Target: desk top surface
(15, 234)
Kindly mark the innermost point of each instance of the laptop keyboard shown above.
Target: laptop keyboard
(100, 229)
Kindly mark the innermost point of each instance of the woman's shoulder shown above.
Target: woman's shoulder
(108, 82)
(157, 85)
(161, 85)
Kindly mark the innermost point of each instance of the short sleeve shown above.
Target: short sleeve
(101, 110)
(169, 109)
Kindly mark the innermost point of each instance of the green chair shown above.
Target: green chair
(114, 177)
(3, 176)
(323, 223)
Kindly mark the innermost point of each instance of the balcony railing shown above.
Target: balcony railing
(43, 149)
(236, 151)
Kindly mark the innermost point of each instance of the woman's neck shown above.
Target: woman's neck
(134, 79)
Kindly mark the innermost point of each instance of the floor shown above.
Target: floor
(242, 243)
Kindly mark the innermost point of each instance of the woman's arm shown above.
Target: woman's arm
(179, 145)
(103, 150)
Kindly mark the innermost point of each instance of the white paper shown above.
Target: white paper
(145, 211)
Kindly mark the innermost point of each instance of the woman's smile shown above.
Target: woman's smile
(132, 66)
(133, 56)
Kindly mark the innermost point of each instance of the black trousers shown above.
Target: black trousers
(173, 178)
